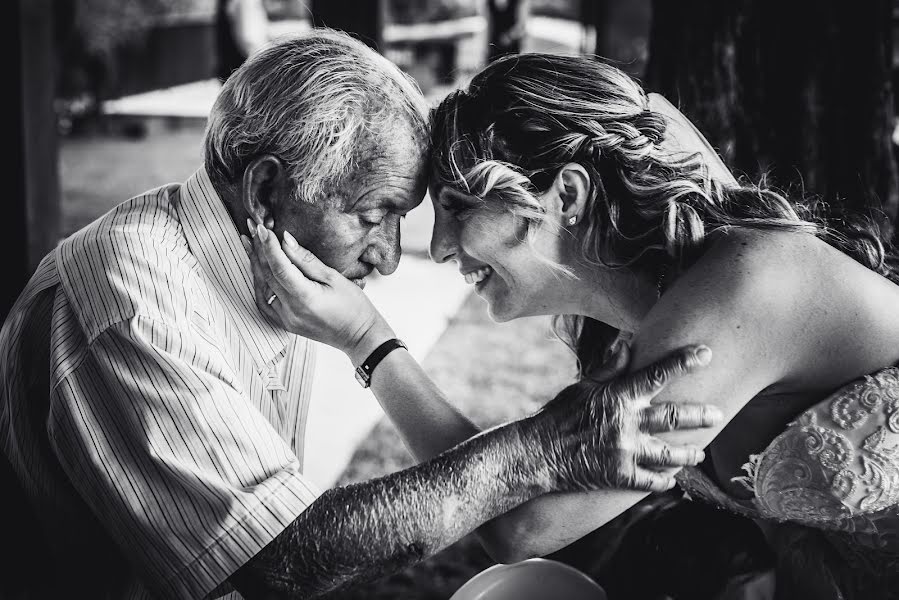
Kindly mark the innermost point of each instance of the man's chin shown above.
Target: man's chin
(360, 282)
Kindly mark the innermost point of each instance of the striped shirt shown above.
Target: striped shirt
(153, 419)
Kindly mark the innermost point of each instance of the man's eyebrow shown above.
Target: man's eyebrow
(375, 199)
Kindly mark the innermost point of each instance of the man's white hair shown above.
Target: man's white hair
(309, 100)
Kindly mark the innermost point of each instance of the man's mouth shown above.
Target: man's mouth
(359, 276)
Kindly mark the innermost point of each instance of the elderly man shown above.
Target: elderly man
(152, 417)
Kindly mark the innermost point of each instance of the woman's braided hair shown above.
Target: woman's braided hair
(505, 137)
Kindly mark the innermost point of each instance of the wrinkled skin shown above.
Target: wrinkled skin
(611, 420)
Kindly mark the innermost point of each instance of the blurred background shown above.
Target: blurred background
(111, 97)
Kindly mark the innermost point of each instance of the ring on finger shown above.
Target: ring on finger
(271, 299)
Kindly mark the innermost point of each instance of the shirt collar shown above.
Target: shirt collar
(215, 243)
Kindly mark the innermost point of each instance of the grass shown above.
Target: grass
(100, 170)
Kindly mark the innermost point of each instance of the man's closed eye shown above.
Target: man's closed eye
(373, 217)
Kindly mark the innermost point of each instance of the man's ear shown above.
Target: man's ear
(259, 189)
(571, 191)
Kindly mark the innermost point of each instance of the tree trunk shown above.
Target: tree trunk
(31, 171)
(597, 14)
(363, 20)
(799, 91)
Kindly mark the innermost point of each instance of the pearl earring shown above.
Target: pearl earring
(572, 220)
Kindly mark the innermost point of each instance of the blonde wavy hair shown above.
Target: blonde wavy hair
(505, 137)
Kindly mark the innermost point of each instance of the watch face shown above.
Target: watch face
(361, 378)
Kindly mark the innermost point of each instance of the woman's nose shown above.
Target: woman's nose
(443, 241)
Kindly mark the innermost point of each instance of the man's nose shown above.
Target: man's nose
(391, 250)
(443, 241)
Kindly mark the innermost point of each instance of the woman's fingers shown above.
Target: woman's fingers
(649, 381)
(284, 274)
(263, 286)
(656, 453)
(670, 416)
(304, 260)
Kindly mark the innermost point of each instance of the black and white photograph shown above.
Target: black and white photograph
(451, 300)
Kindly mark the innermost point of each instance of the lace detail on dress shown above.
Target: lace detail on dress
(835, 469)
(837, 465)
(699, 486)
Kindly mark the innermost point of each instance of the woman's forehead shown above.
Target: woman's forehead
(450, 194)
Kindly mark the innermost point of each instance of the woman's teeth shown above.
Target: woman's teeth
(478, 275)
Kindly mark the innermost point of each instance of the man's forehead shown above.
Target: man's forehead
(399, 182)
(392, 192)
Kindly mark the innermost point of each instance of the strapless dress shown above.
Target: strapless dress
(826, 493)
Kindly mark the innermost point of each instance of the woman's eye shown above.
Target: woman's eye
(458, 211)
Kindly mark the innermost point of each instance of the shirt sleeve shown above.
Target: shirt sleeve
(188, 477)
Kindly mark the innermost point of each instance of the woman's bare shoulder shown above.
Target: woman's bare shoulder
(752, 255)
(815, 310)
(774, 273)
(744, 278)
(748, 255)
(738, 300)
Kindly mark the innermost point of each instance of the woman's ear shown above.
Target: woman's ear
(572, 188)
(260, 189)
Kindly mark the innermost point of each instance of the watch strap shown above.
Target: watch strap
(364, 371)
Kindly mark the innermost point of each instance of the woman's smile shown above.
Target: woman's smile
(478, 276)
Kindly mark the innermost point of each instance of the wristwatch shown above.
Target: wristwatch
(364, 371)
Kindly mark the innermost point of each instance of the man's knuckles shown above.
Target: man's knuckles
(671, 416)
(658, 374)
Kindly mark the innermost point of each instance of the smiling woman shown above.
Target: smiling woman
(561, 189)
(488, 244)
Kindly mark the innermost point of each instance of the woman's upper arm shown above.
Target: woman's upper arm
(739, 303)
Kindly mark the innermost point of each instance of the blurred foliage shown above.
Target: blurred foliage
(104, 25)
(90, 32)
(422, 11)
(562, 9)
(419, 11)
(286, 9)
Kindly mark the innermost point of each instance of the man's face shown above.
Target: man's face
(357, 228)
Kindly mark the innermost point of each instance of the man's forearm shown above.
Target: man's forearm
(363, 531)
(429, 424)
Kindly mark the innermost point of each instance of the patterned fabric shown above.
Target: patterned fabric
(835, 469)
(152, 417)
